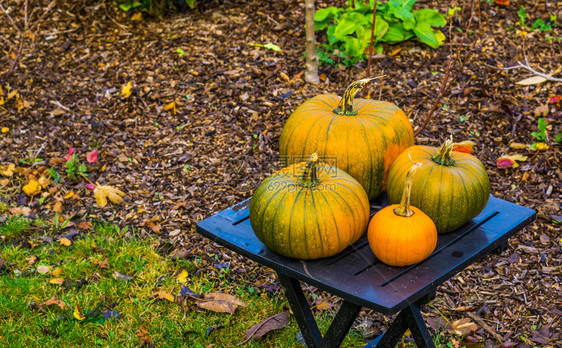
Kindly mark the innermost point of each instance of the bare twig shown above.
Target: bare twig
(23, 33)
(446, 83)
(527, 67)
(9, 18)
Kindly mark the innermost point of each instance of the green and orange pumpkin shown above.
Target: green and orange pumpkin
(451, 188)
(309, 210)
(360, 136)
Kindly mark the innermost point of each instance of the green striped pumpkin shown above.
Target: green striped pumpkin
(451, 188)
(309, 210)
(362, 137)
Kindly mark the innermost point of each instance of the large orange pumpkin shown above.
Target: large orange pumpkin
(309, 210)
(452, 187)
(362, 137)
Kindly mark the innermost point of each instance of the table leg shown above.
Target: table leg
(341, 324)
(301, 310)
(409, 318)
(337, 331)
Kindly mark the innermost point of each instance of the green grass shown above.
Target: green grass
(166, 323)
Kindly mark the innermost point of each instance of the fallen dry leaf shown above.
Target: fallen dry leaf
(185, 291)
(53, 301)
(32, 188)
(126, 89)
(466, 146)
(182, 277)
(219, 302)
(510, 161)
(103, 192)
(518, 146)
(541, 111)
(65, 241)
(541, 146)
(462, 327)
(121, 276)
(275, 322)
(533, 80)
(163, 295)
(77, 313)
(43, 269)
(103, 264)
(143, 336)
(171, 107)
(57, 281)
(8, 170)
(25, 211)
(56, 272)
(31, 260)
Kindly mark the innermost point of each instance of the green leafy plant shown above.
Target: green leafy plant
(54, 175)
(541, 134)
(180, 52)
(154, 7)
(128, 5)
(542, 25)
(522, 15)
(542, 137)
(349, 30)
(74, 168)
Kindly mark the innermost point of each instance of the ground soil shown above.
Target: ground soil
(179, 163)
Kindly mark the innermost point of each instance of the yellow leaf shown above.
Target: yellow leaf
(126, 90)
(68, 195)
(171, 106)
(518, 146)
(65, 241)
(103, 192)
(32, 188)
(78, 313)
(8, 171)
(137, 17)
(541, 146)
(4, 129)
(56, 272)
(57, 281)
(164, 295)
(182, 277)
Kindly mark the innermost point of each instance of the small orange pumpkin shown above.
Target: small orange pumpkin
(400, 234)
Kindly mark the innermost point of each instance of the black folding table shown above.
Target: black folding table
(361, 280)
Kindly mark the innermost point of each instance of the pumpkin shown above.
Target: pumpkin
(400, 234)
(309, 210)
(452, 187)
(362, 137)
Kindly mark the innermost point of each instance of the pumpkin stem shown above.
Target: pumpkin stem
(345, 107)
(309, 176)
(404, 208)
(445, 154)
